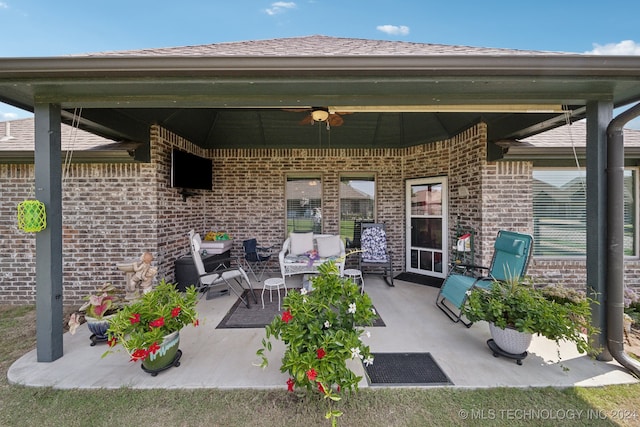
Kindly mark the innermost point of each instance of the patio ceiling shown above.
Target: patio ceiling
(231, 101)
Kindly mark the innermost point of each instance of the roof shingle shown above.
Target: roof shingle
(18, 135)
(576, 134)
(319, 45)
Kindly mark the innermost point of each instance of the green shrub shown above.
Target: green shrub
(516, 303)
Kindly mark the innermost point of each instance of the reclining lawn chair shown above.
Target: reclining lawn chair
(511, 255)
(232, 277)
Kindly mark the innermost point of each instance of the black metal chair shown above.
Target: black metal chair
(357, 233)
(256, 257)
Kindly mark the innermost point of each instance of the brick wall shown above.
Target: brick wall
(461, 159)
(108, 216)
(507, 202)
(466, 184)
(17, 250)
(114, 212)
(248, 196)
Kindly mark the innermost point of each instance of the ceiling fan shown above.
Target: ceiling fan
(320, 114)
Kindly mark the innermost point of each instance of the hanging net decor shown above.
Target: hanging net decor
(31, 216)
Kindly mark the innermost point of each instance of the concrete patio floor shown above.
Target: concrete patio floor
(226, 358)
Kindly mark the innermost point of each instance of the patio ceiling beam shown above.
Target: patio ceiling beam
(551, 122)
(297, 91)
(364, 104)
(104, 123)
(451, 108)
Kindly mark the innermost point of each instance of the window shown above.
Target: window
(560, 214)
(304, 203)
(357, 205)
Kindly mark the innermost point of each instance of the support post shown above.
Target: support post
(48, 185)
(599, 114)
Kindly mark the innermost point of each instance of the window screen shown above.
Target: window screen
(357, 205)
(560, 213)
(304, 203)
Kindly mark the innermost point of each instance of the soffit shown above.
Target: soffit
(231, 100)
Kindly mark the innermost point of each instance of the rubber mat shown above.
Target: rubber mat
(239, 316)
(420, 279)
(405, 369)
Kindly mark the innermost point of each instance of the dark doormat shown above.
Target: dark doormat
(239, 316)
(420, 279)
(399, 369)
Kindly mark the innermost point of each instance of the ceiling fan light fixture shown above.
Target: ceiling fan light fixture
(320, 115)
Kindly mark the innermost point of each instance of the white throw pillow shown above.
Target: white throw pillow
(329, 246)
(299, 243)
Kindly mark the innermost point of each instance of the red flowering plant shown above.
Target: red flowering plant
(141, 326)
(322, 331)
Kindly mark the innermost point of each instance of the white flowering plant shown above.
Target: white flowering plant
(322, 330)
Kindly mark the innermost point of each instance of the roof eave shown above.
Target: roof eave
(87, 156)
(493, 65)
(556, 155)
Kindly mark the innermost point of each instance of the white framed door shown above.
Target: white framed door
(426, 219)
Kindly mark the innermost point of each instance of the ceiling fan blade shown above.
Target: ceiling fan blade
(307, 120)
(295, 110)
(335, 120)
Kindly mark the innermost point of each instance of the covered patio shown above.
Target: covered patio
(226, 358)
(396, 98)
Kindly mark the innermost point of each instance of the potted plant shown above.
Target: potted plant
(322, 331)
(97, 311)
(516, 305)
(149, 328)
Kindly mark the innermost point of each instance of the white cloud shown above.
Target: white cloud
(8, 112)
(625, 47)
(395, 30)
(280, 7)
(7, 116)
(3, 5)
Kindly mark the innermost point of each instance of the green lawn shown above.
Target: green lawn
(346, 227)
(23, 406)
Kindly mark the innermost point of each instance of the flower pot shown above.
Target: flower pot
(509, 340)
(98, 328)
(165, 356)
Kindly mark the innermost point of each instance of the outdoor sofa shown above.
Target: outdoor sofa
(303, 253)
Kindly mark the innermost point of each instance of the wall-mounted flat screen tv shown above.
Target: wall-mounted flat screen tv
(190, 171)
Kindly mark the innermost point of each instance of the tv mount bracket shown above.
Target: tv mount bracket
(186, 194)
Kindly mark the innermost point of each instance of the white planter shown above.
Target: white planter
(510, 340)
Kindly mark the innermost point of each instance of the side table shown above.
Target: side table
(356, 276)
